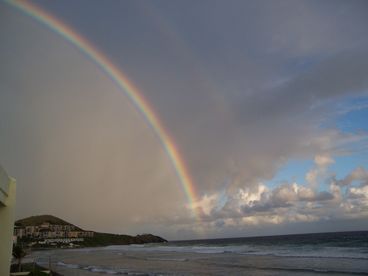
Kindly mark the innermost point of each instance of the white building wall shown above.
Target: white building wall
(7, 208)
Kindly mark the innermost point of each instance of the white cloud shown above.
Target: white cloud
(206, 204)
(290, 203)
(248, 197)
(359, 193)
(322, 162)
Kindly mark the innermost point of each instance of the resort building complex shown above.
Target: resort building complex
(47, 227)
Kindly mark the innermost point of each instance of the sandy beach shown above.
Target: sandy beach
(107, 261)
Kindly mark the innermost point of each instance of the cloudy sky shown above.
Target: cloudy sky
(267, 102)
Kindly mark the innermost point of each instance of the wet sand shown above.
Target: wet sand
(109, 262)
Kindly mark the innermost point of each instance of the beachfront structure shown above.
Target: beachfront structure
(80, 234)
(47, 230)
(7, 206)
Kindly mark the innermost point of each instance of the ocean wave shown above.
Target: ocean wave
(75, 266)
(102, 270)
(92, 268)
(319, 271)
(281, 251)
(105, 270)
(168, 259)
(311, 252)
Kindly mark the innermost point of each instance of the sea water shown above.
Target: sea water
(319, 245)
(344, 253)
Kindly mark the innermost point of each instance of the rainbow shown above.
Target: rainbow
(133, 93)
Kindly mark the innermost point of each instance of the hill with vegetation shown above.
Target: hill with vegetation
(98, 239)
(38, 220)
(105, 239)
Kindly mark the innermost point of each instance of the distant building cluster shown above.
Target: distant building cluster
(47, 230)
(61, 240)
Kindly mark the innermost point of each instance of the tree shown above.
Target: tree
(19, 254)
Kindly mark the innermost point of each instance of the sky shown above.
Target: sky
(266, 102)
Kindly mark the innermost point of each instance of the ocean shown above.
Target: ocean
(344, 253)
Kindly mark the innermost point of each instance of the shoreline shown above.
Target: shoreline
(112, 261)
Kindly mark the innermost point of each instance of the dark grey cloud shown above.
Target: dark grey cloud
(74, 141)
(359, 174)
(242, 87)
(269, 102)
(285, 196)
(324, 195)
(341, 74)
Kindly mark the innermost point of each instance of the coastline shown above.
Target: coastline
(114, 261)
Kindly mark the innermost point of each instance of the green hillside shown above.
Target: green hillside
(105, 239)
(99, 239)
(38, 220)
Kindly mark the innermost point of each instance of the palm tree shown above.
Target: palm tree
(19, 254)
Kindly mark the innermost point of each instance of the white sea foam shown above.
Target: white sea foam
(311, 252)
(168, 259)
(93, 268)
(68, 265)
(260, 250)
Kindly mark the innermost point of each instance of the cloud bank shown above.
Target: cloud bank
(242, 87)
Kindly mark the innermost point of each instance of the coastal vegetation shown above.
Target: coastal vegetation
(19, 253)
(105, 239)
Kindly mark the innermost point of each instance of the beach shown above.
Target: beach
(205, 259)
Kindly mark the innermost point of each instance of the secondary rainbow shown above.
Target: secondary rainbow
(124, 83)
